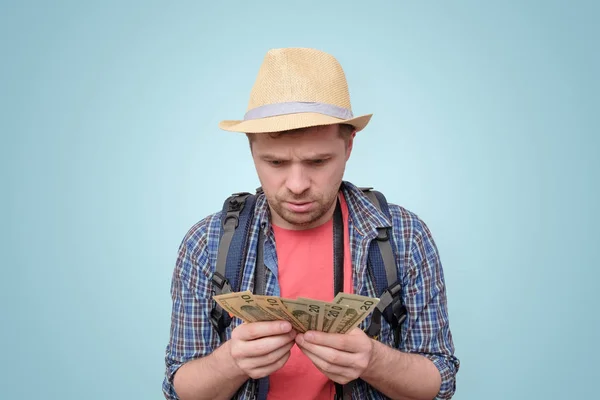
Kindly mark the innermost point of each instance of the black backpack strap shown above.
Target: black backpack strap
(384, 271)
(235, 224)
(260, 277)
(382, 263)
(262, 384)
(344, 392)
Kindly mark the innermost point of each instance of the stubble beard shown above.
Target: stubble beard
(302, 220)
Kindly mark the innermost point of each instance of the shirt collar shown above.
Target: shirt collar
(365, 216)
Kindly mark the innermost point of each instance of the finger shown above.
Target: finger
(263, 371)
(327, 354)
(255, 330)
(261, 346)
(335, 372)
(354, 342)
(267, 359)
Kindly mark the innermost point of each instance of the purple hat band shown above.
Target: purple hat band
(273, 110)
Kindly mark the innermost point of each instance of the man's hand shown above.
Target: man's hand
(261, 348)
(340, 357)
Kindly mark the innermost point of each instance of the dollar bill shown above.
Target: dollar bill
(244, 306)
(359, 307)
(333, 313)
(349, 315)
(344, 313)
(274, 306)
(307, 312)
(315, 307)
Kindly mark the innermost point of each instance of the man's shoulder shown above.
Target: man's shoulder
(206, 233)
(412, 232)
(408, 224)
(404, 216)
(203, 233)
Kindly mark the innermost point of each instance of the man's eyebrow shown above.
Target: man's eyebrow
(270, 156)
(316, 156)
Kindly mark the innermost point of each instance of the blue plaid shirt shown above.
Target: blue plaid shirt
(425, 331)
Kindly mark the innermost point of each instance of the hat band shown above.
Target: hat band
(293, 107)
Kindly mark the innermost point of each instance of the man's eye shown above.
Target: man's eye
(318, 162)
(276, 163)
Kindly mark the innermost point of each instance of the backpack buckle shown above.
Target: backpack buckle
(233, 216)
(375, 325)
(382, 235)
(234, 207)
(221, 282)
(395, 289)
(220, 320)
(390, 297)
(399, 311)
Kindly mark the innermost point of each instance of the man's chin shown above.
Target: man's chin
(300, 220)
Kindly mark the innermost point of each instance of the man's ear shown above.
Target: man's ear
(248, 135)
(350, 144)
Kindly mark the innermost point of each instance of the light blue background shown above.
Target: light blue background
(485, 124)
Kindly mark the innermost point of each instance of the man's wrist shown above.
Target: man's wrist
(226, 364)
(377, 355)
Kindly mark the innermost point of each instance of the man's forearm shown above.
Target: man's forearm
(402, 376)
(214, 376)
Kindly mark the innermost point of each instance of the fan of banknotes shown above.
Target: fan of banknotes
(344, 313)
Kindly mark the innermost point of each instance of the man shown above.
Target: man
(301, 132)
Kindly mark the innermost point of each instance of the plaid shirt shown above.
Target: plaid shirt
(425, 331)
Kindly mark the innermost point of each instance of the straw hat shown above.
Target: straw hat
(297, 88)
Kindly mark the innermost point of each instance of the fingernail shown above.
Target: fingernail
(285, 326)
(300, 338)
(309, 336)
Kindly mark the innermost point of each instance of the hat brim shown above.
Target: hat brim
(291, 121)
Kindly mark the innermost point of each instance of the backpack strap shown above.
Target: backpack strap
(236, 219)
(382, 263)
(262, 384)
(384, 271)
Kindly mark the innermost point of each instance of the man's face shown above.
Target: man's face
(300, 174)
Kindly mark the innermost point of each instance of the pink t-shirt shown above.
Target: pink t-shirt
(305, 264)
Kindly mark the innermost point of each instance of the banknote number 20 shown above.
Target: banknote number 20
(366, 305)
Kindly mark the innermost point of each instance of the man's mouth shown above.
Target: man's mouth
(297, 206)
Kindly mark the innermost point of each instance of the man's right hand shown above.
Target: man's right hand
(261, 348)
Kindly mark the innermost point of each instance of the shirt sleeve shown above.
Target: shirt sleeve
(191, 334)
(428, 330)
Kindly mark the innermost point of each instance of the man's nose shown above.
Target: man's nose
(298, 180)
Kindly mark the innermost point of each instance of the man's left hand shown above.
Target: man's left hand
(340, 357)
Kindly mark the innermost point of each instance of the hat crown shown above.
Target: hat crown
(299, 75)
